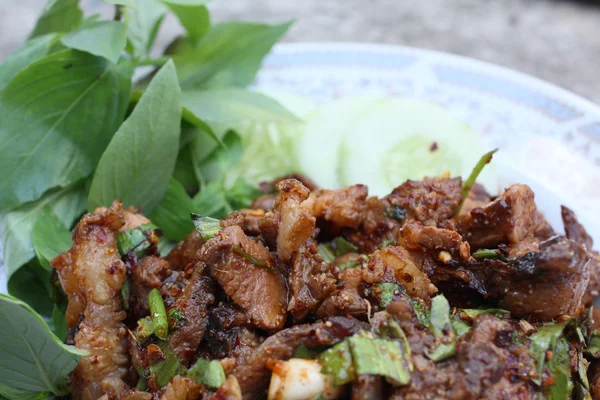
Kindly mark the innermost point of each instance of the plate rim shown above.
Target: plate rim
(473, 64)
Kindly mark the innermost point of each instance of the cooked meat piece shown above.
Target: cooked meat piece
(544, 285)
(252, 373)
(229, 390)
(181, 388)
(92, 274)
(185, 252)
(487, 365)
(172, 286)
(594, 379)
(574, 230)
(429, 201)
(348, 297)
(368, 387)
(310, 281)
(477, 197)
(192, 306)
(265, 202)
(343, 207)
(145, 276)
(135, 394)
(394, 264)
(271, 187)
(593, 289)
(512, 219)
(247, 274)
(248, 220)
(295, 224)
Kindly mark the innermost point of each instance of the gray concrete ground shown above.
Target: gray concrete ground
(556, 40)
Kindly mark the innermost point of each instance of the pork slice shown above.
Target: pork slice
(248, 275)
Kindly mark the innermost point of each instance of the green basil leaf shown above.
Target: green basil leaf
(144, 21)
(58, 16)
(386, 293)
(223, 158)
(45, 109)
(593, 347)
(229, 55)
(31, 284)
(127, 3)
(16, 226)
(211, 201)
(184, 169)
(473, 313)
(50, 237)
(9, 393)
(233, 105)
(32, 50)
(241, 194)
(143, 150)
(193, 16)
(172, 215)
(102, 38)
(32, 359)
(560, 366)
(380, 357)
(545, 338)
(337, 361)
(440, 314)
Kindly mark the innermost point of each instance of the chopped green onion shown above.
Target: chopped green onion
(248, 257)
(125, 292)
(304, 352)
(166, 369)
(337, 362)
(485, 159)
(385, 293)
(593, 348)
(158, 314)
(145, 329)
(473, 313)
(208, 373)
(493, 254)
(207, 227)
(395, 212)
(460, 327)
(441, 352)
(387, 242)
(341, 246)
(325, 253)
(348, 264)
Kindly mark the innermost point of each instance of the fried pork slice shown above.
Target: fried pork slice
(311, 280)
(576, 232)
(544, 285)
(487, 364)
(185, 252)
(429, 201)
(181, 388)
(511, 219)
(92, 274)
(342, 207)
(248, 274)
(190, 314)
(394, 264)
(253, 374)
(348, 298)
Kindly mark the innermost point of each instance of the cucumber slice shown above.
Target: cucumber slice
(397, 139)
(324, 130)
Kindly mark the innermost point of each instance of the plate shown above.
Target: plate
(547, 137)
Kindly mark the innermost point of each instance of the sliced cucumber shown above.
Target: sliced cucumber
(324, 131)
(397, 139)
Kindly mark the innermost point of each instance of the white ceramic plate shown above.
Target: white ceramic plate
(548, 138)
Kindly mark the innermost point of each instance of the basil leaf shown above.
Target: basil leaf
(193, 16)
(385, 293)
(45, 109)
(380, 357)
(233, 105)
(102, 38)
(184, 169)
(50, 237)
(143, 150)
(229, 55)
(32, 359)
(545, 338)
(473, 313)
(58, 16)
(241, 194)
(127, 3)
(440, 314)
(337, 361)
(31, 284)
(211, 201)
(560, 367)
(144, 21)
(593, 347)
(16, 226)
(32, 50)
(214, 167)
(209, 373)
(172, 215)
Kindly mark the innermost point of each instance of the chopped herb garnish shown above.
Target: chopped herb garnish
(341, 246)
(387, 242)
(145, 329)
(385, 293)
(176, 318)
(207, 227)
(396, 212)
(166, 369)
(248, 257)
(208, 373)
(473, 313)
(135, 240)
(304, 352)
(337, 361)
(349, 264)
(125, 293)
(560, 367)
(485, 159)
(325, 253)
(544, 339)
(489, 254)
(593, 347)
(442, 328)
(158, 314)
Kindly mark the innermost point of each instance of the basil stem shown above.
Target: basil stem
(485, 159)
